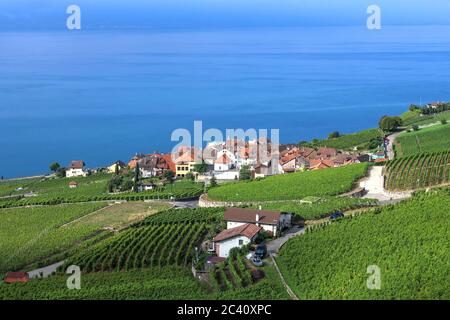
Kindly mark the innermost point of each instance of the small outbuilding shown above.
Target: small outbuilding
(73, 184)
(13, 277)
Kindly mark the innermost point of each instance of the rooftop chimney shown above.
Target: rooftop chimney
(257, 217)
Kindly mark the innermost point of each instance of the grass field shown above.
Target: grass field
(32, 234)
(413, 118)
(91, 185)
(431, 139)
(50, 191)
(293, 186)
(418, 171)
(408, 242)
(29, 234)
(118, 216)
(349, 141)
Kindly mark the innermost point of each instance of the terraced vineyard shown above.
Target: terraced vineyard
(232, 274)
(148, 284)
(154, 284)
(155, 245)
(432, 139)
(349, 141)
(408, 242)
(185, 215)
(326, 182)
(325, 206)
(30, 234)
(52, 191)
(418, 171)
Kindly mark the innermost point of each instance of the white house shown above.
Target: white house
(271, 221)
(235, 238)
(76, 169)
(227, 175)
(225, 161)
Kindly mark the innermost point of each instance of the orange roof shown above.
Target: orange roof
(12, 277)
(224, 159)
(132, 163)
(315, 164)
(171, 164)
(380, 160)
(247, 230)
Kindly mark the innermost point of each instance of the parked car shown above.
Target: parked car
(257, 261)
(261, 251)
(336, 215)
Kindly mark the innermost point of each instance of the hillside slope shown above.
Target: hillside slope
(409, 242)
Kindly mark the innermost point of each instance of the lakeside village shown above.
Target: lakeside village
(226, 162)
(220, 162)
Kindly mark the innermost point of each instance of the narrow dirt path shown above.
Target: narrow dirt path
(374, 184)
(288, 289)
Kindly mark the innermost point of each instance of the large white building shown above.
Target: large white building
(76, 169)
(271, 221)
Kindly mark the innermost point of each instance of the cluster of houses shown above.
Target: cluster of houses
(293, 158)
(224, 160)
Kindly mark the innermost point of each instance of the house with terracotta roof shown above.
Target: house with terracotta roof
(76, 169)
(185, 160)
(294, 162)
(235, 238)
(317, 164)
(271, 221)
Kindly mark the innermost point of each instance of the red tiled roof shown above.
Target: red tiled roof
(247, 230)
(328, 152)
(77, 164)
(12, 277)
(320, 164)
(73, 183)
(223, 159)
(249, 216)
(168, 158)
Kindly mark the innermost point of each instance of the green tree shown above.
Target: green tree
(127, 185)
(169, 175)
(136, 178)
(189, 176)
(388, 124)
(334, 135)
(213, 182)
(61, 172)
(415, 127)
(245, 173)
(443, 121)
(54, 166)
(200, 167)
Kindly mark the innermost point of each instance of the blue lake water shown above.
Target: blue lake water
(105, 95)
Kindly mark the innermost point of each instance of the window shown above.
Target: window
(241, 242)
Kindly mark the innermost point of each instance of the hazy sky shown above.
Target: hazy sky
(50, 14)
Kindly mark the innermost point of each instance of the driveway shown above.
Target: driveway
(374, 184)
(45, 271)
(275, 245)
(185, 204)
(390, 149)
